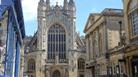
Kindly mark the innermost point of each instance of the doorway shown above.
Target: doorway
(135, 67)
(56, 74)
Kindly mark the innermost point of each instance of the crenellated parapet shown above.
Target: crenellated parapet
(68, 8)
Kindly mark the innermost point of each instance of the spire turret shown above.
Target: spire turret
(47, 5)
(48, 2)
(65, 6)
(41, 8)
(72, 8)
(41, 2)
(72, 3)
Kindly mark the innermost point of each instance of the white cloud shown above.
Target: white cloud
(30, 8)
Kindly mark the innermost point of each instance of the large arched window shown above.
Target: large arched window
(133, 15)
(31, 65)
(56, 42)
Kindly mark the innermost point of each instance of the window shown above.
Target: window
(133, 14)
(81, 64)
(56, 42)
(31, 65)
(81, 67)
(134, 21)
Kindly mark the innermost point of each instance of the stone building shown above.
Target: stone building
(131, 48)
(56, 50)
(102, 34)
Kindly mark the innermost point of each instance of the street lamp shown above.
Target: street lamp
(123, 44)
(120, 31)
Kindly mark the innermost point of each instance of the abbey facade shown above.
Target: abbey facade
(56, 50)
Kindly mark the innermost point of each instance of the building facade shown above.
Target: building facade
(102, 34)
(55, 49)
(131, 49)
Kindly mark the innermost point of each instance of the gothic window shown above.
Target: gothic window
(81, 64)
(56, 42)
(133, 14)
(31, 65)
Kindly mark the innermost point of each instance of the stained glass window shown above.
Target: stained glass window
(56, 42)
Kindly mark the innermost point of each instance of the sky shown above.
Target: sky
(83, 7)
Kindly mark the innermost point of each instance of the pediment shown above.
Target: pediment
(91, 19)
(88, 23)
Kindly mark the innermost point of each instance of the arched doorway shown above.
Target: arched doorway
(56, 74)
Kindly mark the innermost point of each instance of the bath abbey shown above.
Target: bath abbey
(56, 49)
(108, 47)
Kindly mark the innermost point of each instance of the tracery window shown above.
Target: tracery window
(56, 42)
(81, 64)
(31, 65)
(133, 14)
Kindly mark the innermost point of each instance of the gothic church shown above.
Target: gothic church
(56, 50)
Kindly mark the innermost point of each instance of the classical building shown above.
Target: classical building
(131, 49)
(56, 50)
(103, 34)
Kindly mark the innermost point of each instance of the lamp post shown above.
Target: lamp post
(120, 31)
(122, 43)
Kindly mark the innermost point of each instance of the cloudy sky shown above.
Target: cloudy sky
(84, 8)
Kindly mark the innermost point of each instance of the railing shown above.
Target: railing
(50, 61)
(63, 61)
(59, 61)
